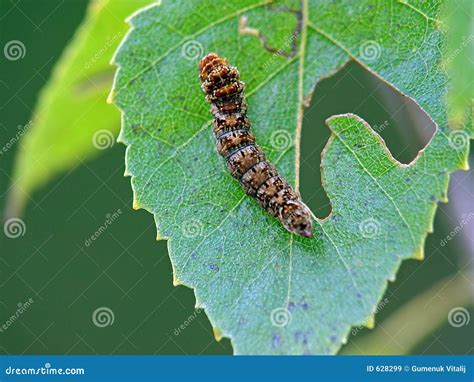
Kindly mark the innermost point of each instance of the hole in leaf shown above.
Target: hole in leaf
(405, 128)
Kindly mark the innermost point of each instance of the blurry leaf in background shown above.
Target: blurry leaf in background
(267, 290)
(72, 120)
(459, 59)
(408, 325)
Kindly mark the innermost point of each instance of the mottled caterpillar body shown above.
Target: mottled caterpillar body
(245, 159)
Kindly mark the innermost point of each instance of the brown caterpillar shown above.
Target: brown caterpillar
(245, 159)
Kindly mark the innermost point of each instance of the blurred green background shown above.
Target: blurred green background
(127, 271)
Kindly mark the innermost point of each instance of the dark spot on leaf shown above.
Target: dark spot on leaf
(298, 336)
(276, 341)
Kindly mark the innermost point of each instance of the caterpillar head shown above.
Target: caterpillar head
(299, 220)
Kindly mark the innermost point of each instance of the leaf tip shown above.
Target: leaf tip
(419, 253)
(217, 333)
(176, 280)
(111, 97)
(136, 204)
(370, 322)
(465, 164)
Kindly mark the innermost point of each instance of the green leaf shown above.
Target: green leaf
(458, 18)
(72, 121)
(271, 292)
